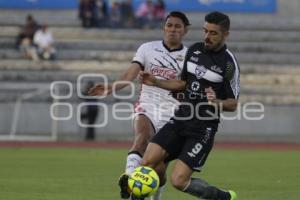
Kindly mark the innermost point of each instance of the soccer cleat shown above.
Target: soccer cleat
(233, 195)
(123, 184)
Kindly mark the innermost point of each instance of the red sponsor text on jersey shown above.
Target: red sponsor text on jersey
(163, 72)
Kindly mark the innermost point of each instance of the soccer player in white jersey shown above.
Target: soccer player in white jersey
(155, 106)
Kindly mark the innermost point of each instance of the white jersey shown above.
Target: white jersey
(156, 103)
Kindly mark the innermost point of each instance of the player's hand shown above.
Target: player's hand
(147, 78)
(100, 90)
(210, 95)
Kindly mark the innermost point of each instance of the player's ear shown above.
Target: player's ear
(226, 34)
(186, 29)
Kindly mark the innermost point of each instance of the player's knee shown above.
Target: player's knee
(179, 181)
(147, 162)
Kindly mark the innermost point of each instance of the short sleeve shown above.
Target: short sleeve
(140, 57)
(184, 74)
(232, 77)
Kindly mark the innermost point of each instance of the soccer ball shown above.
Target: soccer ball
(143, 182)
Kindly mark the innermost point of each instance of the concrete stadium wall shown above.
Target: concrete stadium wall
(279, 123)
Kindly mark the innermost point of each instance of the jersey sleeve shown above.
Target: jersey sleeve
(184, 73)
(232, 77)
(140, 56)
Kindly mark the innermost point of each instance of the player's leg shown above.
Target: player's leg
(161, 171)
(181, 179)
(145, 164)
(154, 157)
(165, 113)
(143, 131)
(165, 146)
(192, 158)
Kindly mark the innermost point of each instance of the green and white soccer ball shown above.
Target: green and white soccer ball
(143, 182)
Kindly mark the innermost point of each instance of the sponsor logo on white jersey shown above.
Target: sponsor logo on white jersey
(180, 58)
(163, 72)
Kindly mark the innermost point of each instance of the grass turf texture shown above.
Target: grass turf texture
(81, 174)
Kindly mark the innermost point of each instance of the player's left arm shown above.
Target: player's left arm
(229, 104)
(231, 87)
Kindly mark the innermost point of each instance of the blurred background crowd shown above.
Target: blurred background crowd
(121, 14)
(35, 41)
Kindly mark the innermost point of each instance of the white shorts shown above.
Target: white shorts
(158, 114)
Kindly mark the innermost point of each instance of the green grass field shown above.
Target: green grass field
(92, 174)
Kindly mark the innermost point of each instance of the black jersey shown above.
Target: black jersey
(203, 69)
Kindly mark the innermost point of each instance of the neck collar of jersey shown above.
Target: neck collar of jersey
(170, 50)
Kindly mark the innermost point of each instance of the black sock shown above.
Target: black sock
(202, 189)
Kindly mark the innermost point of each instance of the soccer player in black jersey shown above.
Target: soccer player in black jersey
(164, 59)
(210, 82)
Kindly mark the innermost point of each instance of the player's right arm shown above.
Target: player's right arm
(128, 76)
(172, 85)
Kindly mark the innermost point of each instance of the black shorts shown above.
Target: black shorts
(190, 143)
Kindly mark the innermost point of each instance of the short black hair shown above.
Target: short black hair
(218, 18)
(179, 15)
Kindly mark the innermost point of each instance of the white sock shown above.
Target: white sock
(133, 161)
(158, 194)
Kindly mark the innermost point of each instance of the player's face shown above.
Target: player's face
(214, 37)
(174, 30)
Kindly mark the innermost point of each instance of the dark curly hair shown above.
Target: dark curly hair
(218, 18)
(179, 15)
